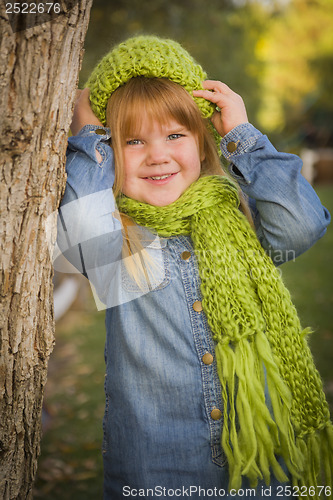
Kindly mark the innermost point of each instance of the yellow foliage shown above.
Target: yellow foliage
(293, 40)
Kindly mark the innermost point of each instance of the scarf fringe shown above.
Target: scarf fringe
(257, 426)
(317, 450)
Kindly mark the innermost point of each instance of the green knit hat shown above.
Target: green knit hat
(148, 56)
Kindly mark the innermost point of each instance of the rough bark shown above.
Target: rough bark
(38, 77)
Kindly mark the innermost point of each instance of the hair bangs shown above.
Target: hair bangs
(153, 99)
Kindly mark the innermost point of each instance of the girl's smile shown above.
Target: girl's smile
(160, 179)
(160, 162)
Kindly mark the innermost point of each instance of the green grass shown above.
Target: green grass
(70, 465)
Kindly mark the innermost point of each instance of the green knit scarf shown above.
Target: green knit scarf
(258, 341)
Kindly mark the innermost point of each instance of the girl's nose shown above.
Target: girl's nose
(157, 154)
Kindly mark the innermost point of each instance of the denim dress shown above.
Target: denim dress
(164, 412)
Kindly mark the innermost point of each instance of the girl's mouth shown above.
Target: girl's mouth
(160, 179)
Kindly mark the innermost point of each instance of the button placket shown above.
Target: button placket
(197, 306)
(186, 255)
(204, 345)
(216, 414)
(207, 358)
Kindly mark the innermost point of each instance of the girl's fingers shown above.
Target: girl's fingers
(233, 111)
(213, 88)
(216, 86)
(214, 91)
(214, 96)
(202, 93)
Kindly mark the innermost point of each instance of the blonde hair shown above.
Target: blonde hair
(156, 99)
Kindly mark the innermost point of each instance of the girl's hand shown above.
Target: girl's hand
(83, 114)
(233, 111)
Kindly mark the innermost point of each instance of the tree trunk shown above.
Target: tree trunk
(38, 76)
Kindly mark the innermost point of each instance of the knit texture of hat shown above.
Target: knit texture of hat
(147, 56)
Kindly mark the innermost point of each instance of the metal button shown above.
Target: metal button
(216, 414)
(231, 147)
(207, 358)
(185, 255)
(197, 306)
(100, 131)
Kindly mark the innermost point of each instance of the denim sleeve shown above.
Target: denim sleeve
(288, 215)
(89, 235)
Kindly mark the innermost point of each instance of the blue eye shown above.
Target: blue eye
(174, 136)
(133, 142)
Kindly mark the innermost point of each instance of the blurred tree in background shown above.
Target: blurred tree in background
(277, 54)
(297, 85)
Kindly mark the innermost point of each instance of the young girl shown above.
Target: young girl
(210, 386)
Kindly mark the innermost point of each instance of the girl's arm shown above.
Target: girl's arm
(89, 235)
(288, 215)
(83, 114)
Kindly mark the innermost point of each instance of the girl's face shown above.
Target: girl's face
(160, 162)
